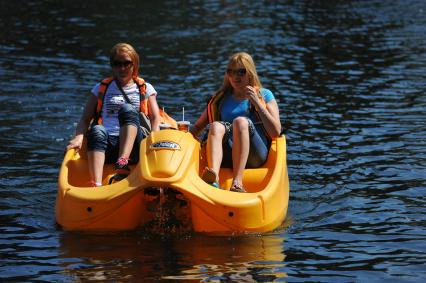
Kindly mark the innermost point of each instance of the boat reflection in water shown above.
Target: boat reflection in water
(125, 256)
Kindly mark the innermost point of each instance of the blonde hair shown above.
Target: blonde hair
(241, 58)
(125, 48)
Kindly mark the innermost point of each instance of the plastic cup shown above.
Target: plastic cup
(183, 126)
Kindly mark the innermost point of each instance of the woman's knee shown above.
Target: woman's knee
(128, 115)
(240, 124)
(217, 128)
(98, 132)
(97, 138)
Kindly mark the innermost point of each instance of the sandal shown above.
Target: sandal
(122, 170)
(210, 177)
(238, 188)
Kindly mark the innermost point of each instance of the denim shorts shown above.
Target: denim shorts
(98, 138)
(258, 152)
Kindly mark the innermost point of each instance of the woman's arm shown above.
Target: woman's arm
(270, 118)
(83, 124)
(269, 114)
(154, 113)
(200, 124)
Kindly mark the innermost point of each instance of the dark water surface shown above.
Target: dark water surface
(350, 77)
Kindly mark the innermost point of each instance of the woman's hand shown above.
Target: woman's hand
(75, 143)
(253, 95)
(83, 124)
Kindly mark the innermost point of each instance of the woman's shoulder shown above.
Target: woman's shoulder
(148, 84)
(95, 89)
(267, 94)
(150, 90)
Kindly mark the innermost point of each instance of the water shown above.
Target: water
(350, 77)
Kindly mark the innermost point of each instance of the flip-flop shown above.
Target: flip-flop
(210, 177)
(216, 185)
(238, 188)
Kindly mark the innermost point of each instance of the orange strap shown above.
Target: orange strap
(144, 107)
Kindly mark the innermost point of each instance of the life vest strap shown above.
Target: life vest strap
(144, 107)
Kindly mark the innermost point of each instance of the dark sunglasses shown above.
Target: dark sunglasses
(118, 64)
(237, 72)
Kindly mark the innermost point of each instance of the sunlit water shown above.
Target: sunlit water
(350, 77)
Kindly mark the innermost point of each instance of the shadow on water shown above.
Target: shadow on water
(195, 257)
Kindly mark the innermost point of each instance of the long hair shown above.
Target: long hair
(241, 58)
(125, 48)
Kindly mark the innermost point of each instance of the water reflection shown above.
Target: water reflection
(136, 257)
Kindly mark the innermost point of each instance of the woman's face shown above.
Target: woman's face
(122, 67)
(238, 76)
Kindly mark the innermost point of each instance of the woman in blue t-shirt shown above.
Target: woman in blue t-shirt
(243, 118)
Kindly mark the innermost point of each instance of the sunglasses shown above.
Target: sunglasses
(237, 72)
(125, 64)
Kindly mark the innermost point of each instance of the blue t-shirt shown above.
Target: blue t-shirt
(233, 108)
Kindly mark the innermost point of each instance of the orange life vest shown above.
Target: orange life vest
(144, 107)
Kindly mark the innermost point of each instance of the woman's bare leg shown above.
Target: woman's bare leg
(240, 148)
(214, 146)
(96, 161)
(127, 140)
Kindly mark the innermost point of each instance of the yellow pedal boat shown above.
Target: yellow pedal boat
(165, 187)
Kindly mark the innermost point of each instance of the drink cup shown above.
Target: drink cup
(183, 126)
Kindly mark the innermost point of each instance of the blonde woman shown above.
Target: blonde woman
(111, 120)
(243, 118)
